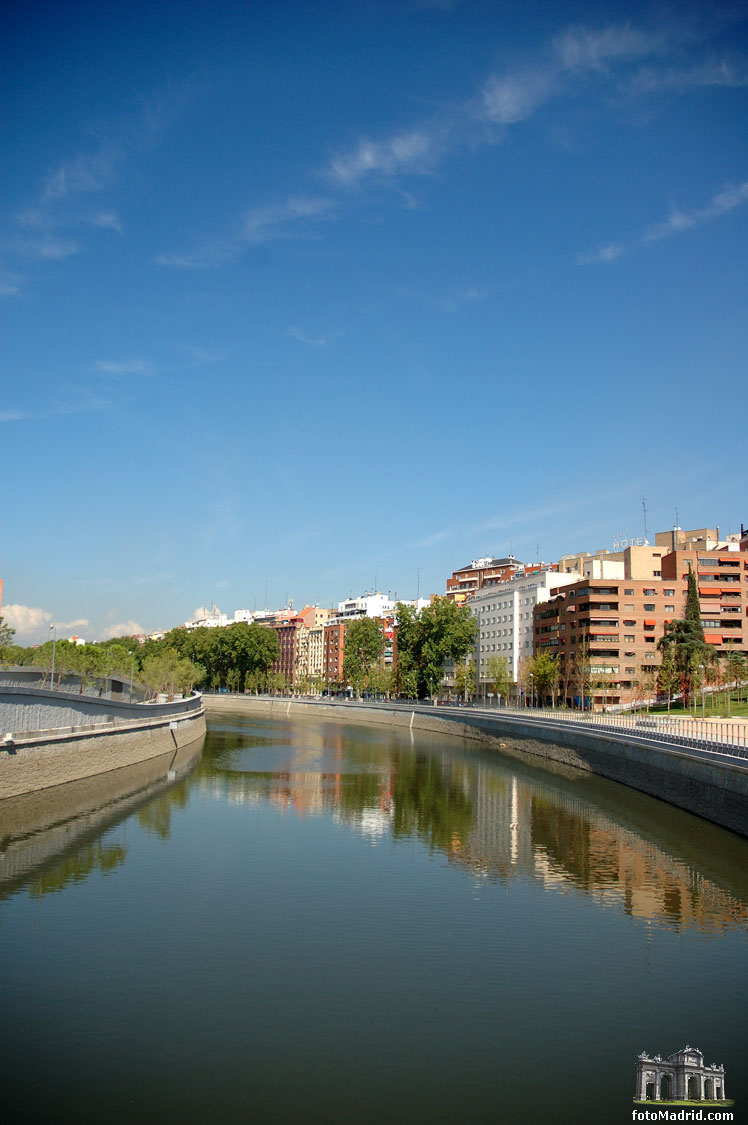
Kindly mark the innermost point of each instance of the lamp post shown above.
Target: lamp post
(132, 674)
(53, 629)
(702, 669)
(532, 690)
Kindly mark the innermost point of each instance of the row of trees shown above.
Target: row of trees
(238, 658)
(426, 641)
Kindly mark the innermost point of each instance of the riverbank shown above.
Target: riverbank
(107, 736)
(711, 783)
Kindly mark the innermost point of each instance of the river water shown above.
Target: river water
(313, 922)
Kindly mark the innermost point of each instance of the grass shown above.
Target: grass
(715, 708)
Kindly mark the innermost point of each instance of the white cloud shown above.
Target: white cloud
(510, 98)
(271, 222)
(312, 341)
(650, 80)
(724, 201)
(604, 254)
(49, 248)
(30, 622)
(106, 220)
(583, 49)
(66, 626)
(123, 629)
(677, 222)
(412, 151)
(460, 298)
(123, 367)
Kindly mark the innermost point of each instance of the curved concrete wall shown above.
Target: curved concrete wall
(103, 736)
(711, 784)
(24, 709)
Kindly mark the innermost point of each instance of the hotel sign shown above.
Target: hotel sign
(622, 543)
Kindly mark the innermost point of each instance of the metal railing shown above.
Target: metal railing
(703, 734)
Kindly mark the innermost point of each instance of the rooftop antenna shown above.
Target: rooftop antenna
(677, 520)
(537, 552)
(644, 511)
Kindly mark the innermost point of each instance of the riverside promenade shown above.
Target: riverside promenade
(698, 765)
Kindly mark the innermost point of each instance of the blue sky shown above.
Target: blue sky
(321, 293)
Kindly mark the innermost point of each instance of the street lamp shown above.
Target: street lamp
(132, 674)
(53, 629)
(702, 669)
(532, 690)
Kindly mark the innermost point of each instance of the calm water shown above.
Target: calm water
(320, 923)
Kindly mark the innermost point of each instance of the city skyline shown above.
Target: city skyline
(301, 302)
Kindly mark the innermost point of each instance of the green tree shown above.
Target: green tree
(546, 674)
(465, 679)
(499, 676)
(686, 638)
(364, 650)
(426, 640)
(668, 674)
(7, 633)
(581, 671)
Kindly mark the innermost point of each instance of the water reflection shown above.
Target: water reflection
(53, 838)
(502, 819)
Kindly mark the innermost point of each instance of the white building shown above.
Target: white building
(368, 605)
(505, 621)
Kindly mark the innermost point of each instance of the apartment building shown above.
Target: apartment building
(333, 652)
(504, 613)
(617, 625)
(469, 579)
(722, 578)
(288, 633)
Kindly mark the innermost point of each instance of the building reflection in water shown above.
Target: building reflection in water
(500, 819)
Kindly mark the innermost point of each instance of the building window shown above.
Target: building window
(628, 593)
(649, 607)
(629, 638)
(669, 609)
(669, 593)
(629, 606)
(649, 593)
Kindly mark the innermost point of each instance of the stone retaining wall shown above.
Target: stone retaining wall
(712, 785)
(39, 760)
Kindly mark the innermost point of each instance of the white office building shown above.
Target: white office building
(505, 621)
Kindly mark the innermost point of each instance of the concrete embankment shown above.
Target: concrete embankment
(711, 784)
(99, 736)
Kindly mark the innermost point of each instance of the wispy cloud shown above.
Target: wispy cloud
(414, 150)
(584, 49)
(81, 400)
(509, 98)
(67, 194)
(47, 248)
(603, 255)
(682, 79)
(280, 220)
(123, 367)
(11, 284)
(313, 341)
(577, 59)
(461, 297)
(677, 222)
(726, 200)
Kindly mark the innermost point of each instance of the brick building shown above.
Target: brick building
(621, 621)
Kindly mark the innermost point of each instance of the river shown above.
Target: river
(320, 923)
